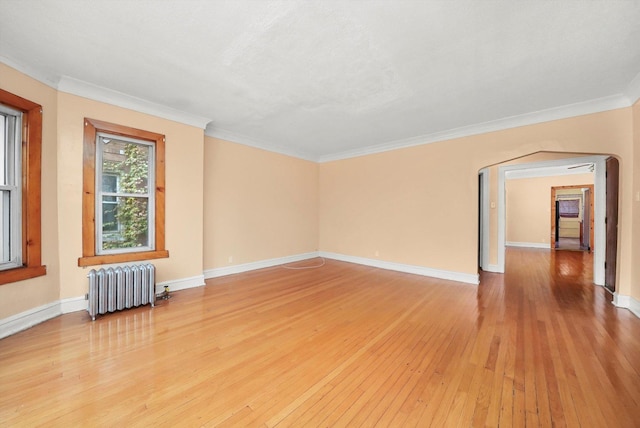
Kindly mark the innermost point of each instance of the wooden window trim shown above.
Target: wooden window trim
(31, 189)
(89, 257)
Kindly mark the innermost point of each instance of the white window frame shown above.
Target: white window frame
(150, 195)
(13, 172)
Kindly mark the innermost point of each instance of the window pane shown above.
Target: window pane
(128, 162)
(5, 227)
(3, 149)
(109, 214)
(125, 222)
(110, 183)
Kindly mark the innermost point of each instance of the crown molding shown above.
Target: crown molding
(234, 137)
(548, 171)
(571, 110)
(98, 93)
(109, 96)
(50, 80)
(91, 91)
(633, 90)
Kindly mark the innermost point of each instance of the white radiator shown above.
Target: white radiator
(125, 287)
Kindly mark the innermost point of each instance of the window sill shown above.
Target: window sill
(21, 273)
(122, 258)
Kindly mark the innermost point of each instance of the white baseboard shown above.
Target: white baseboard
(417, 270)
(29, 318)
(627, 302)
(492, 268)
(246, 267)
(73, 304)
(181, 284)
(528, 244)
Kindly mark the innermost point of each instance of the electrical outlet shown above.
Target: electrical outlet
(377, 253)
(230, 259)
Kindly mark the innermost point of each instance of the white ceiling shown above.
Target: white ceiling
(326, 79)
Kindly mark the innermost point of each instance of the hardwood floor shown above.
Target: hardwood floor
(341, 345)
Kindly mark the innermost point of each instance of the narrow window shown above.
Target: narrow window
(10, 187)
(20, 172)
(123, 206)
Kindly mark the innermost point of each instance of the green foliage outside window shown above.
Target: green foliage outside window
(131, 213)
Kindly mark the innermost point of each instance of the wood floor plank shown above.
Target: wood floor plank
(340, 345)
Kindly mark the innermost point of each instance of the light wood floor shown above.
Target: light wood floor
(341, 345)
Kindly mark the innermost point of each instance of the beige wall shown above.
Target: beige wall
(184, 170)
(528, 206)
(419, 205)
(415, 206)
(258, 205)
(62, 193)
(406, 206)
(23, 295)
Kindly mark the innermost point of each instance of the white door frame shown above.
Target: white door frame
(552, 168)
(484, 216)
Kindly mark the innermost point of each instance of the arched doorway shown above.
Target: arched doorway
(492, 208)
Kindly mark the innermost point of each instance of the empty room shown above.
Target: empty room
(331, 213)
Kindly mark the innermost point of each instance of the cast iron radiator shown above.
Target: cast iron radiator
(125, 287)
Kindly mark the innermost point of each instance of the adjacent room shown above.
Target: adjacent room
(330, 213)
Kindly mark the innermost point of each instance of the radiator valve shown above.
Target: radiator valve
(165, 294)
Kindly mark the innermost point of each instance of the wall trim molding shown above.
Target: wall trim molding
(29, 318)
(627, 302)
(261, 264)
(597, 105)
(120, 99)
(181, 284)
(234, 137)
(109, 96)
(528, 244)
(633, 90)
(400, 267)
(45, 78)
(73, 304)
(491, 268)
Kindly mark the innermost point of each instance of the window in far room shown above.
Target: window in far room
(569, 208)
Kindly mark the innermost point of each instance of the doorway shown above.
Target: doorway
(572, 217)
(550, 167)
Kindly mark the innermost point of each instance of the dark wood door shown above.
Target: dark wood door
(586, 220)
(611, 221)
(557, 224)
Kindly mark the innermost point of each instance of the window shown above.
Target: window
(20, 172)
(569, 208)
(10, 187)
(123, 194)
